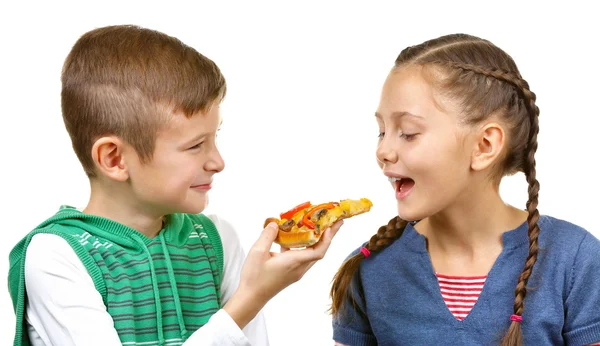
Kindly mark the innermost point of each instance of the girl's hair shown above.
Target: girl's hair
(486, 82)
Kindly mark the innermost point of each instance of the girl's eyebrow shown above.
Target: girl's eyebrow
(400, 115)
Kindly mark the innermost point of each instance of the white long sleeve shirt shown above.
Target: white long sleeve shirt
(64, 308)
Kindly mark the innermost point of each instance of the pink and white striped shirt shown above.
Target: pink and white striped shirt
(460, 293)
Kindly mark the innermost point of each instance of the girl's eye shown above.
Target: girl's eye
(405, 136)
(408, 136)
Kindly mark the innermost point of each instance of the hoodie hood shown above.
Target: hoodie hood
(176, 231)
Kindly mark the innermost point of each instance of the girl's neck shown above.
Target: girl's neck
(466, 238)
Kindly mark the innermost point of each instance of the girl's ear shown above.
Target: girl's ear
(488, 146)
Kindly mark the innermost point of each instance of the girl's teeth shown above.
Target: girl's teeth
(393, 180)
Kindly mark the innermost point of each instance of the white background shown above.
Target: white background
(303, 84)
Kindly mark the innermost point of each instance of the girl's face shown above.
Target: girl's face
(423, 147)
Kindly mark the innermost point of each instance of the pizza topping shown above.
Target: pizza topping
(306, 219)
(317, 215)
(287, 226)
(290, 213)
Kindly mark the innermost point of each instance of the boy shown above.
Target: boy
(139, 265)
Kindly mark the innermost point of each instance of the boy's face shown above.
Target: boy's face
(180, 174)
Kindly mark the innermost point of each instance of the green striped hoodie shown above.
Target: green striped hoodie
(155, 289)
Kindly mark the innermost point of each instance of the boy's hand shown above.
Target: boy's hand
(266, 273)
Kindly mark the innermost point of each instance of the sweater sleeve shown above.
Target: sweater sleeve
(233, 261)
(351, 326)
(582, 312)
(64, 308)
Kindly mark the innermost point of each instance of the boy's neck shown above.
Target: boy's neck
(117, 204)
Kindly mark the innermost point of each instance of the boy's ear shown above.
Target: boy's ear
(489, 144)
(107, 154)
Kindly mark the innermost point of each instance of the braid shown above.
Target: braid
(504, 76)
(386, 234)
(340, 289)
(514, 335)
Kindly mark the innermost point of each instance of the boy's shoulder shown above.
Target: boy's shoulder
(222, 225)
(50, 226)
(225, 229)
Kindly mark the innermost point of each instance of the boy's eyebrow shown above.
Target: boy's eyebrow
(196, 138)
(399, 115)
(203, 134)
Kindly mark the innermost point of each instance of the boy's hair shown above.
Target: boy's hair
(486, 82)
(125, 81)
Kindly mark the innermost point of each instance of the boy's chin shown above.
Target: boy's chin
(191, 206)
(188, 211)
(195, 207)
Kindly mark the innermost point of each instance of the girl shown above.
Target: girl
(455, 116)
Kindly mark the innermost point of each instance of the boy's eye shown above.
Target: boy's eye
(197, 146)
(381, 134)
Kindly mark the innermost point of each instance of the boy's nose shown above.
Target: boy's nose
(215, 163)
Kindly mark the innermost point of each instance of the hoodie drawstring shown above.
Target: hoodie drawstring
(173, 287)
(161, 337)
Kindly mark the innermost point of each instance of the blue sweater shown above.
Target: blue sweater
(403, 303)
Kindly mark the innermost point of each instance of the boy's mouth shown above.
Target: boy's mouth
(403, 186)
(202, 187)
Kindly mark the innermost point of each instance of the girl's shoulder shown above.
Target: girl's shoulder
(555, 232)
(568, 246)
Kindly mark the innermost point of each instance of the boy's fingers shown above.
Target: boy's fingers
(321, 247)
(330, 233)
(267, 237)
(336, 227)
(317, 251)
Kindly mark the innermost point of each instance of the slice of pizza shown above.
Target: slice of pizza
(304, 224)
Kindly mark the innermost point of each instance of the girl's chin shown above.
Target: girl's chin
(407, 214)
